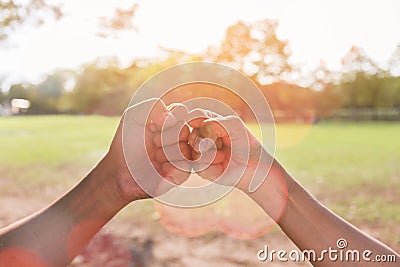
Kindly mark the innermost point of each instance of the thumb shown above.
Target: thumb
(229, 131)
(152, 111)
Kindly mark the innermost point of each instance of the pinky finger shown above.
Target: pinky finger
(172, 173)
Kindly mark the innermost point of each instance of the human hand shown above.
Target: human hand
(225, 151)
(139, 147)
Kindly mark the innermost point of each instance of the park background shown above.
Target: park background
(337, 115)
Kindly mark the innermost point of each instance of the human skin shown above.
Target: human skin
(59, 232)
(55, 235)
(308, 223)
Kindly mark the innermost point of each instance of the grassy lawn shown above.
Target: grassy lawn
(343, 154)
(52, 149)
(352, 167)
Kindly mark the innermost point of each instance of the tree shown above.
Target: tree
(100, 91)
(363, 82)
(254, 49)
(3, 96)
(327, 97)
(52, 87)
(394, 62)
(18, 91)
(290, 102)
(13, 13)
(396, 90)
(355, 61)
(120, 21)
(46, 95)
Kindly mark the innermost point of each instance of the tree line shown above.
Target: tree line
(362, 89)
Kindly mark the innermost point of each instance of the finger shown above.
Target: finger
(198, 115)
(160, 116)
(153, 155)
(210, 133)
(174, 152)
(148, 137)
(146, 111)
(228, 129)
(222, 131)
(219, 143)
(171, 135)
(172, 106)
(192, 136)
(157, 166)
(195, 155)
(174, 174)
(180, 111)
(151, 112)
(209, 157)
(209, 128)
(203, 144)
(195, 140)
(164, 121)
(212, 128)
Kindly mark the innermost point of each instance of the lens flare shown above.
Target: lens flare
(198, 206)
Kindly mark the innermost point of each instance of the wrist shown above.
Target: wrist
(272, 194)
(106, 178)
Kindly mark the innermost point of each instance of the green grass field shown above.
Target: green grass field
(354, 168)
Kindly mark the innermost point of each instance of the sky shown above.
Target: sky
(316, 30)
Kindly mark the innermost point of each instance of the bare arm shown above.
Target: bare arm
(311, 225)
(59, 232)
(308, 223)
(56, 234)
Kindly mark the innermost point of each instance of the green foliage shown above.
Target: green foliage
(18, 91)
(361, 87)
(120, 21)
(15, 13)
(52, 87)
(350, 167)
(364, 85)
(106, 90)
(289, 102)
(3, 96)
(256, 50)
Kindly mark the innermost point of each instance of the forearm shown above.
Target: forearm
(56, 234)
(309, 224)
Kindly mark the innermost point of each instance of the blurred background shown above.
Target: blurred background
(330, 71)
